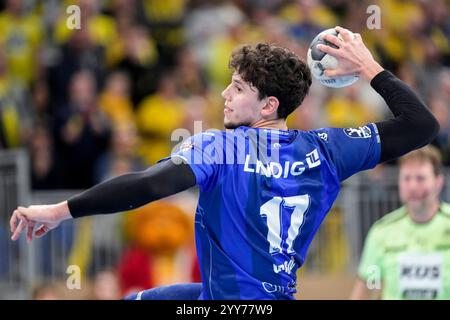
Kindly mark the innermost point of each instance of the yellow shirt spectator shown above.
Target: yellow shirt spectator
(9, 116)
(344, 111)
(117, 108)
(115, 100)
(320, 14)
(102, 30)
(397, 18)
(20, 38)
(157, 117)
(165, 12)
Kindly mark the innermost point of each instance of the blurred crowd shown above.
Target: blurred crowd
(102, 100)
(98, 101)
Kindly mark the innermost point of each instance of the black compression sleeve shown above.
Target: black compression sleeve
(413, 126)
(133, 190)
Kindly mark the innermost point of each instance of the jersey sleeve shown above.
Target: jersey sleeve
(352, 149)
(204, 153)
(371, 265)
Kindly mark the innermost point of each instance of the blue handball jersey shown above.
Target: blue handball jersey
(263, 195)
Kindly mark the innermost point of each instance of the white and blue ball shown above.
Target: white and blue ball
(319, 61)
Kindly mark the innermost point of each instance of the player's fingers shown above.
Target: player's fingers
(15, 218)
(13, 221)
(22, 225)
(332, 73)
(30, 230)
(42, 230)
(345, 34)
(327, 49)
(333, 39)
(24, 212)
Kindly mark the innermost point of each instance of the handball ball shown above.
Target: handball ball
(318, 61)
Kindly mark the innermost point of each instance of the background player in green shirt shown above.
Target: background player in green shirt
(407, 253)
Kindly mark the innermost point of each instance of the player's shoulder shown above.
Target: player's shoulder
(220, 137)
(200, 140)
(390, 219)
(207, 135)
(320, 134)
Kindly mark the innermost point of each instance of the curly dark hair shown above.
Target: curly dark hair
(274, 71)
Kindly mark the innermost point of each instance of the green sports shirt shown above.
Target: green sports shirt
(409, 260)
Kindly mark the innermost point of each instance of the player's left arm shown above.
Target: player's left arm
(122, 193)
(413, 125)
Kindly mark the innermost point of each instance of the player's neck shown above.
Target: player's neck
(277, 124)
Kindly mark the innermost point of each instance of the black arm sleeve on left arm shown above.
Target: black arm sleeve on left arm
(413, 126)
(133, 190)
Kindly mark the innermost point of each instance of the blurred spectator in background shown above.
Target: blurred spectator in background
(115, 101)
(122, 156)
(158, 116)
(191, 77)
(444, 83)
(101, 29)
(78, 53)
(160, 248)
(440, 108)
(406, 253)
(139, 59)
(57, 290)
(219, 50)
(308, 17)
(82, 133)
(106, 286)
(15, 114)
(126, 13)
(193, 86)
(44, 171)
(165, 19)
(40, 102)
(20, 40)
(345, 109)
(4, 249)
(47, 291)
(207, 20)
(308, 115)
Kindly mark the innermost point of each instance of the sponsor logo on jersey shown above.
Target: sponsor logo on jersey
(361, 132)
(278, 170)
(421, 276)
(186, 146)
(286, 266)
(276, 145)
(323, 136)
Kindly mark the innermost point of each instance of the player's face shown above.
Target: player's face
(242, 105)
(418, 185)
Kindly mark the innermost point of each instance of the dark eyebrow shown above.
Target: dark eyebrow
(238, 82)
(242, 84)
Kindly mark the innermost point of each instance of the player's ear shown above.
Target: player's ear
(271, 106)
